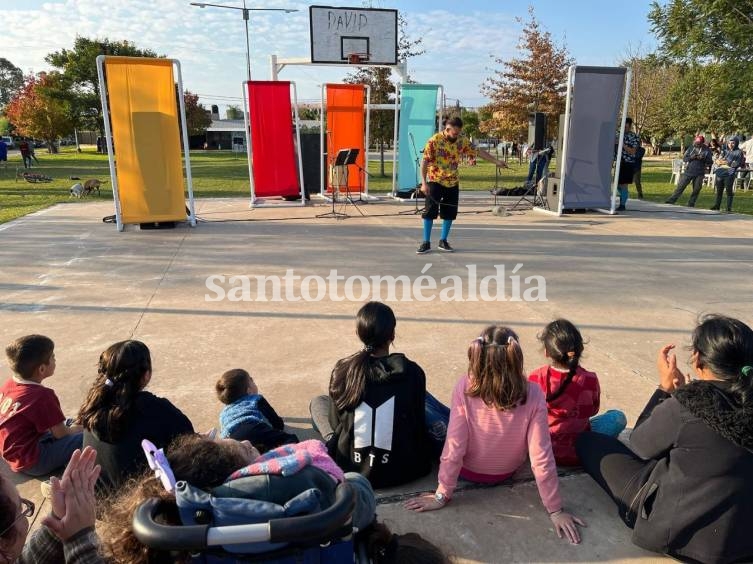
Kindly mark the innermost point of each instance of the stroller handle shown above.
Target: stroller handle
(285, 530)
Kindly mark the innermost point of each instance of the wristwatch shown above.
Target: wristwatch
(440, 498)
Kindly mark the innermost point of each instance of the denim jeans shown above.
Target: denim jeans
(54, 453)
(437, 418)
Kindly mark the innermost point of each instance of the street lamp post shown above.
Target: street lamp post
(245, 11)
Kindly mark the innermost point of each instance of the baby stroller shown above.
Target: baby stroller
(304, 520)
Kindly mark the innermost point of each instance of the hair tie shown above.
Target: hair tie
(368, 348)
(571, 354)
(511, 340)
(746, 371)
(109, 383)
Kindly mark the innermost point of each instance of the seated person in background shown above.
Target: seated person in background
(118, 413)
(229, 468)
(67, 533)
(247, 416)
(35, 438)
(572, 393)
(388, 389)
(684, 486)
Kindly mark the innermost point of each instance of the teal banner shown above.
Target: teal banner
(417, 122)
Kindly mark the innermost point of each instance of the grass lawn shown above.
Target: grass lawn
(218, 174)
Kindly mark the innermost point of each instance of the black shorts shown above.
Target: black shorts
(627, 170)
(441, 201)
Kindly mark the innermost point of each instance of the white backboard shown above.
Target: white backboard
(337, 32)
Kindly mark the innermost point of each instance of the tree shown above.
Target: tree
(197, 116)
(711, 40)
(382, 124)
(309, 112)
(651, 97)
(690, 30)
(77, 81)
(535, 82)
(234, 112)
(11, 81)
(35, 113)
(470, 123)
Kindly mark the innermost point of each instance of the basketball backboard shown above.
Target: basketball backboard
(337, 33)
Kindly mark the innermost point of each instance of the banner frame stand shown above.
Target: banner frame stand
(566, 133)
(324, 178)
(103, 91)
(395, 148)
(261, 202)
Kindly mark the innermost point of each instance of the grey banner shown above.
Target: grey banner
(594, 108)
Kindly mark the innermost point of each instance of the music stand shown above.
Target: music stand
(340, 158)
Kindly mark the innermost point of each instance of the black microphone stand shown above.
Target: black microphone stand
(417, 189)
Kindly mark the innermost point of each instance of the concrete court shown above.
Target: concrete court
(631, 282)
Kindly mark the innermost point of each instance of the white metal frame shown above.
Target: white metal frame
(563, 169)
(395, 148)
(261, 202)
(108, 138)
(323, 180)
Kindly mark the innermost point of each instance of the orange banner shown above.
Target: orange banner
(345, 128)
(145, 132)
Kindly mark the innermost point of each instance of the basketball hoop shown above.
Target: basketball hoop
(357, 58)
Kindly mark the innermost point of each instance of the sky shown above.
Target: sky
(461, 39)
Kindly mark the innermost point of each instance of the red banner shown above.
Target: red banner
(272, 149)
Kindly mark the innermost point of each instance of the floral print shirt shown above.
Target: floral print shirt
(443, 157)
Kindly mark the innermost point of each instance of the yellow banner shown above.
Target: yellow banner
(146, 139)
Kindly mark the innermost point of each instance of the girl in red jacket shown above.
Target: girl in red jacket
(572, 393)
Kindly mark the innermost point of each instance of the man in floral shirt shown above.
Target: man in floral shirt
(439, 179)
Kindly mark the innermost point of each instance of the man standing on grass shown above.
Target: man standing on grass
(439, 179)
(697, 159)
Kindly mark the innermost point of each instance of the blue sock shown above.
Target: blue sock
(428, 223)
(446, 224)
(623, 191)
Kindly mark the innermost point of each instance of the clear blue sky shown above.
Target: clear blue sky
(460, 37)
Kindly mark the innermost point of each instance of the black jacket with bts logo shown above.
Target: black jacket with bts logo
(384, 438)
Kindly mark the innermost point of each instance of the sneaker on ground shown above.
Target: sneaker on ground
(445, 246)
(424, 247)
(620, 208)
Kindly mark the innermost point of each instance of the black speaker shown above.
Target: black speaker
(311, 150)
(536, 131)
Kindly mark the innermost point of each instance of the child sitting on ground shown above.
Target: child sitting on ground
(118, 413)
(35, 437)
(247, 416)
(497, 420)
(572, 393)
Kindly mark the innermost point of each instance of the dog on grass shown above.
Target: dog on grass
(91, 185)
(77, 190)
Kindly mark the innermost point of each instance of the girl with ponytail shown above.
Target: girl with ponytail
(118, 414)
(572, 392)
(378, 419)
(497, 420)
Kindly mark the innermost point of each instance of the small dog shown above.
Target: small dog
(77, 190)
(91, 185)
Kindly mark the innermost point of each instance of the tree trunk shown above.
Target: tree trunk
(381, 157)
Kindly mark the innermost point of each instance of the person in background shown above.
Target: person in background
(698, 159)
(727, 166)
(630, 144)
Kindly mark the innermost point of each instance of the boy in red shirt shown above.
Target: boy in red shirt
(35, 438)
